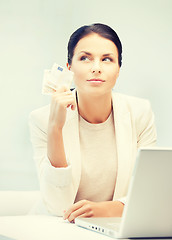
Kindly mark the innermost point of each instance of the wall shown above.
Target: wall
(34, 35)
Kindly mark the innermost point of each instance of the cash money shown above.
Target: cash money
(56, 77)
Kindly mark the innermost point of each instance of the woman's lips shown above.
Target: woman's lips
(95, 80)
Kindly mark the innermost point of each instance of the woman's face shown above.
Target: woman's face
(95, 65)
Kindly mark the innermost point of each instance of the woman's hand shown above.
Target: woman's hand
(85, 208)
(61, 100)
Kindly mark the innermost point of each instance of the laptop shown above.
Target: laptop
(148, 210)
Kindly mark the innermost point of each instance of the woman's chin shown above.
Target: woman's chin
(93, 91)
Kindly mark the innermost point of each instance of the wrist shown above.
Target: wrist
(115, 208)
(53, 129)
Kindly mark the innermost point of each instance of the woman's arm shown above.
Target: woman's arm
(85, 208)
(55, 176)
(61, 99)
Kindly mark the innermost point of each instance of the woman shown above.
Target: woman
(85, 142)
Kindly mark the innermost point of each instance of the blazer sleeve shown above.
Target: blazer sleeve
(145, 129)
(56, 185)
(145, 125)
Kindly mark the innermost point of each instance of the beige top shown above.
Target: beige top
(99, 160)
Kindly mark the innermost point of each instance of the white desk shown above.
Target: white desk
(42, 227)
(45, 228)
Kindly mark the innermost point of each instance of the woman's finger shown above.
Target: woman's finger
(74, 207)
(62, 89)
(84, 210)
(84, 215)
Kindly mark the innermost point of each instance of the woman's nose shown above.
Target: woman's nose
(96, 67)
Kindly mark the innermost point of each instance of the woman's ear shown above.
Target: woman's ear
(68, 66)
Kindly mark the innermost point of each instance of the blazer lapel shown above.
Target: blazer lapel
(123, 131)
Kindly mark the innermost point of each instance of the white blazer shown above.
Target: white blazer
(134, 126)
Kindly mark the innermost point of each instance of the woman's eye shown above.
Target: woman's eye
(107, 59)
(84, 58)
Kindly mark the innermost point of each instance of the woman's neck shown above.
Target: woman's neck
(94, 109)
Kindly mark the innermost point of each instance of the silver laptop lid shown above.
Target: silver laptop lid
(148, 211)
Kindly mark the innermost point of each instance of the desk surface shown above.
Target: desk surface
(45, 228)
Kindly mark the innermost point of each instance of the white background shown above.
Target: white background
(34, 35)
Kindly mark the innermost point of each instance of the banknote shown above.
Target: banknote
(56, 77)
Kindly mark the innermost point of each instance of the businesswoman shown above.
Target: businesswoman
(85, 142)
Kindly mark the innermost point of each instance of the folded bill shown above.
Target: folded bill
(56, 77)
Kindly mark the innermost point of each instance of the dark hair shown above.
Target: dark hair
(101, 29)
